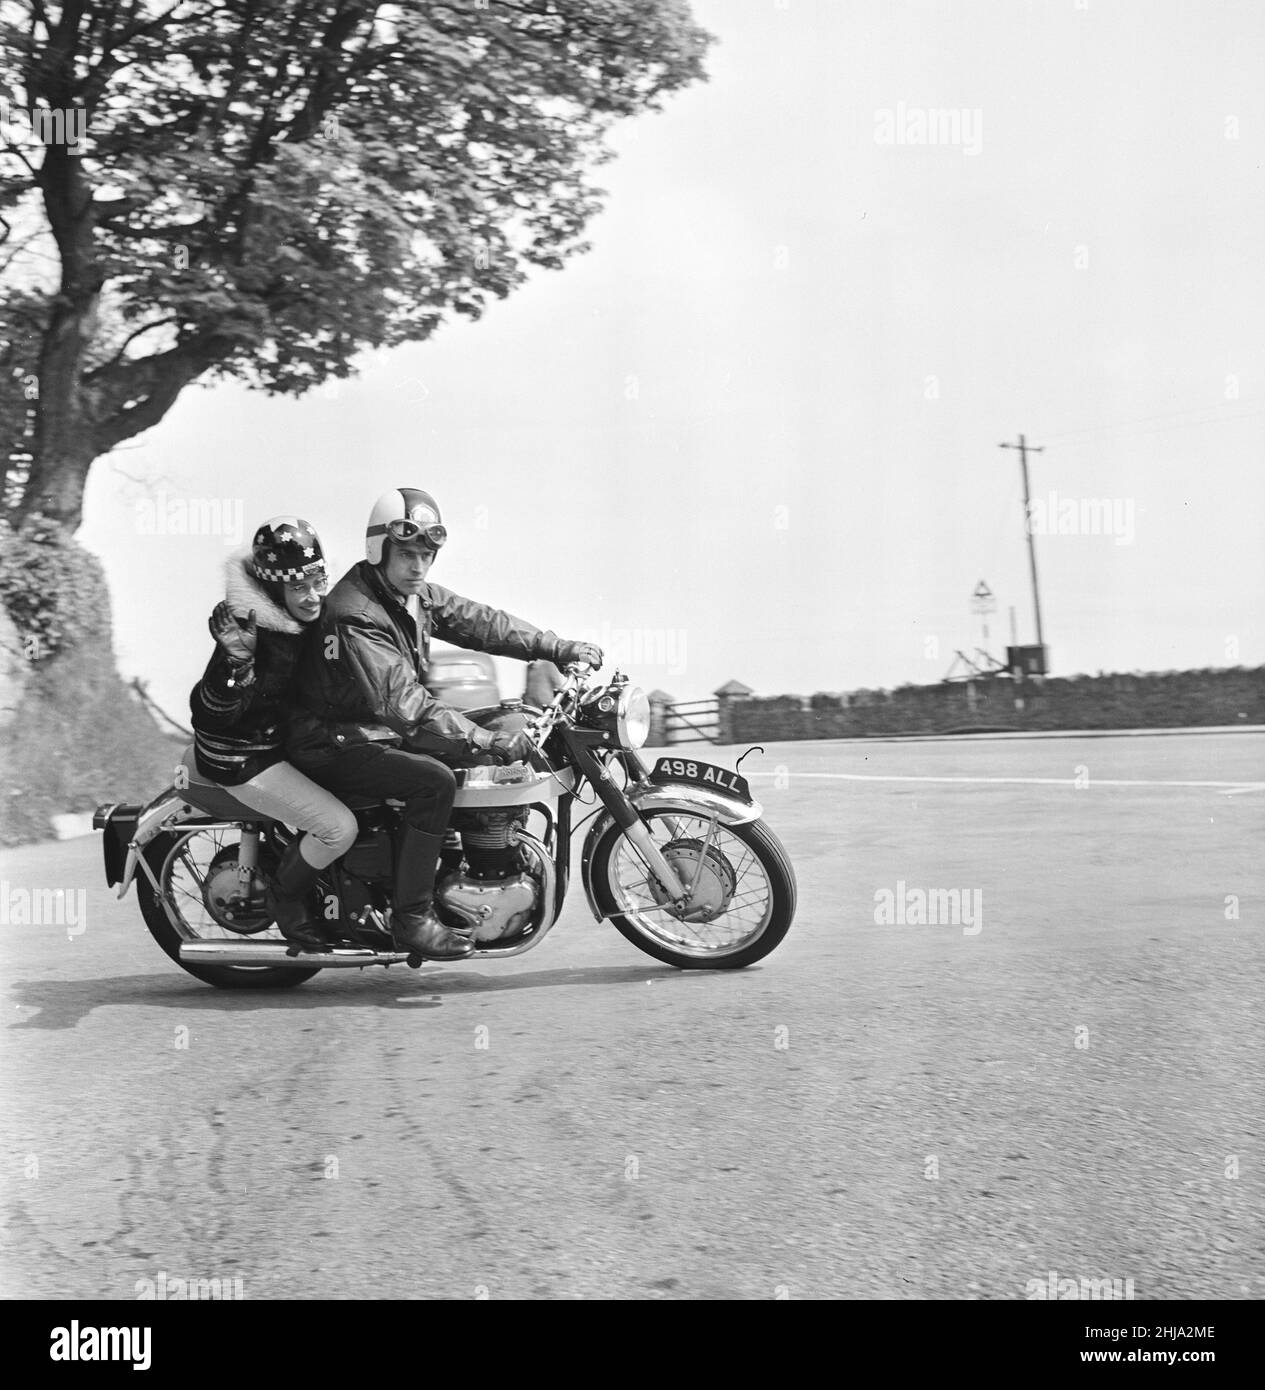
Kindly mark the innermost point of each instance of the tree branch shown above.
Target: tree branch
(118, 356)
(11, 148)
(169, 373)
(327, 81)
(137, 27)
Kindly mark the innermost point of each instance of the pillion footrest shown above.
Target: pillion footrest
(248, 952)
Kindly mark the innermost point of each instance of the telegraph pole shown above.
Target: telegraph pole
(1023, 446)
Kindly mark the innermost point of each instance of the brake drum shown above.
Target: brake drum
(708, 870)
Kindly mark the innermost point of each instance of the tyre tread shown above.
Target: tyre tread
(160, 928)
(760, 839)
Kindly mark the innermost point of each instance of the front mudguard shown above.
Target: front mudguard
(684, 797)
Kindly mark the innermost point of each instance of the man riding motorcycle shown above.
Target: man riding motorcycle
(366, 725)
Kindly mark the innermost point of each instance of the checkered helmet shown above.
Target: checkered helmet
(286, 549)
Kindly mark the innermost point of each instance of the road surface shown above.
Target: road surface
(1069, 1082)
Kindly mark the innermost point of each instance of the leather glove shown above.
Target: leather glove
(235, 635)
(510, 748)
(579, 651)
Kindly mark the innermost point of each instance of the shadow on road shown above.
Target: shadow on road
(62, 1003)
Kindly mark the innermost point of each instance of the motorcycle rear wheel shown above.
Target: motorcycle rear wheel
(759, 884)
(164, 858)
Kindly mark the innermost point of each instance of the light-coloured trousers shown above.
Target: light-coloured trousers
(283, 793)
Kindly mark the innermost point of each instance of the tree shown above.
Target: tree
(261, 189)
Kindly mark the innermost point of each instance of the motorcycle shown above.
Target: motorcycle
(678, 857)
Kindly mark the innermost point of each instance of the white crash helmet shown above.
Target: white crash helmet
(406, 514)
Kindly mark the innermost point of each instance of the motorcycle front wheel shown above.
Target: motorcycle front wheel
(744, 887)
(186, 863)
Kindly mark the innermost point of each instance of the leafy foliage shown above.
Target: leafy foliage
(44, 580)
(267, 188)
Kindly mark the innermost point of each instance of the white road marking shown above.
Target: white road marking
(1238, 787)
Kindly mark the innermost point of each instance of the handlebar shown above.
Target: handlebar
(572, 678)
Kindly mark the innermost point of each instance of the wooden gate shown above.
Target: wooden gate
(692, 721)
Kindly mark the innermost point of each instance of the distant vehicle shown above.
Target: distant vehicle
(464, 680)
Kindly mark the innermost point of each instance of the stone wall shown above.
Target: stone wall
(1143, 700)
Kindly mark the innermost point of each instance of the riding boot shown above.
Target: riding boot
(414, 925)
(289, 898)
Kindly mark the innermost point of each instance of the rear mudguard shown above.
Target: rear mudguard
(129, 829)
(664, 796)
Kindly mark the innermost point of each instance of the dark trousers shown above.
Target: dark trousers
(422, 783)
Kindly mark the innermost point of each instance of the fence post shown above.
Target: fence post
(659, 702)
(726, 696)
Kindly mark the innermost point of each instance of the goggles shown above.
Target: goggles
(310, 584)
(404, 529)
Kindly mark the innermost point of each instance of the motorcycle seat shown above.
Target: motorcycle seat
(216, 800)
(209, 796)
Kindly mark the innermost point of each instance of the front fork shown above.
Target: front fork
(625, 813)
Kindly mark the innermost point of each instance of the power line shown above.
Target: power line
(1123, 426)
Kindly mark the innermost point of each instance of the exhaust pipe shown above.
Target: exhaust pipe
(248, 952)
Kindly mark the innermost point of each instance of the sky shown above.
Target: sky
(754, 433)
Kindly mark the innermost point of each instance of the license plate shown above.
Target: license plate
(717, 779)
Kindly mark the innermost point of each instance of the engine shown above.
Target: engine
(489, 840)
(367, 868)
(500, 892)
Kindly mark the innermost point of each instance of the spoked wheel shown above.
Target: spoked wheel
(743, 895)
(202, 899)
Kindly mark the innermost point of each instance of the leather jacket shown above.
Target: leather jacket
(360, 678)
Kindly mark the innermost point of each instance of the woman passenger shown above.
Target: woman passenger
(274, 595)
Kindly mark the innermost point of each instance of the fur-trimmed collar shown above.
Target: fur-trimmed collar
(245, 592)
